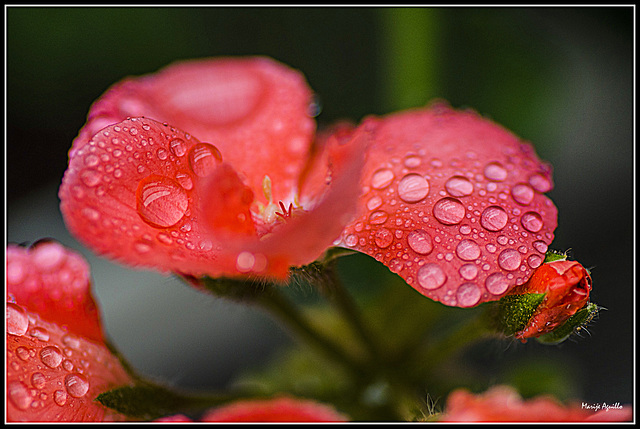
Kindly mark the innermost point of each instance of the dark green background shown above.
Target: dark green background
(559, 77)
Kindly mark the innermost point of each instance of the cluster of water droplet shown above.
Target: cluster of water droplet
(462, 223)
(50, 367)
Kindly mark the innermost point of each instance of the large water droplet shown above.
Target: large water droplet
(91, 160)
(76, 384)
(378, 217)
(534, 261)
(382, 178)
(458, 186)
(161, 202)
(449, 211)
(23, 353)
(383, 238)
(468, 294)
(540, 182)
(413, 188)
(40, 333)
(509, 259)
(431, 276)
(38, 380)
(51, 356)
(17, 320)
(48, 256)
(90, 177)
(19, 395)
(496, 283)
(468, 271)
(351, 240)
(374, 202)
(420, 241)
(468, 250)
(178, 147)
(540, 246)
(203, 158)
(412, 161)
(522, 194)
(60, 397)
(495, 171)
(494, 218)
(531, 221)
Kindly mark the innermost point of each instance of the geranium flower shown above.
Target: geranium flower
(279, 409)
(57, 360)
(504, 404)
(217, 172)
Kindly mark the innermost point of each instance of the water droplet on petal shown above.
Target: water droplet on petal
(496, 283)
(178, 147)
(16, 319)
(431, 276)
(449, 211)
(468, 250)
(38, 380)
(351, 240)
(40, 333)
(468, 271)
(522, 194)
(412, 161)
(161, 202)
(382, 178)
(378, 217)
(90, 177)
(51, 356)
(374, 202)
(540, 246)
(540, 182)
(19, 395)
(534, 261)
(494, 218)
(495, 171)
(162, 154)
(531, 221)
(60, 397)
(413, 188)
(76, 384)
(468, 294)
(509, 259)
(383, 238)
(203, 158)
(22, 353)
(91, 160)
(420, 241)
(458, 186)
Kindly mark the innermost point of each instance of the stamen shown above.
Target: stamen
(285, 213)
(266, 188)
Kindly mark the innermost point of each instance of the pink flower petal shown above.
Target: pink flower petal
(453, 203)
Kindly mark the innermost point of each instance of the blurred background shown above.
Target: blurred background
(561, 78)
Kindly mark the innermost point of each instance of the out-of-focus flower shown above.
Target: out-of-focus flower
(280, 409)
(210, 167)
(556, 292)
(454, 204)
(504, 404)
(57, 361)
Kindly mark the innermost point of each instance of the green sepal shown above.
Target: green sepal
(147, 401)
(515, 311)
(554, 255)
(573, 324)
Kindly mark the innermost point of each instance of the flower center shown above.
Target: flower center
(270, 216)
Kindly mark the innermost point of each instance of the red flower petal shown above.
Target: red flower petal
(54, 282)
(254, 109)
(129, 197)
(283, 409)
(454, 204)
(504, 404)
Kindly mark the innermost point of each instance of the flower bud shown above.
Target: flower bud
(551, 305)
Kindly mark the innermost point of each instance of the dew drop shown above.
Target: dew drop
(38, 380)
(378, 217)
(22, 353)
(51, 356)
(90, 177)
(19, 395)
(16, 320)
(178, 147)
(449, 211)
(162, 154)
(161, 202)
(468, 250)
(468, 271)
(534, 261)
(531, 221)
(71, 341)
(351, 240)
(60, 397)
(458, 186)
(522, 194)
(540, 246)
(382, 178)
(383, 238)
(412, 161)
(91, 160)
(374, 202)
(540, 182)
(67, 365)
(495, 171)
(468, 294)
(431, 276)
(509, 259)
(420, 241)
(203, 158)
(494, 218)
(413, 188)
(496, 283)
(76, 384)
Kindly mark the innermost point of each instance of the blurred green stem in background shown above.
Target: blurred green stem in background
(409, 44)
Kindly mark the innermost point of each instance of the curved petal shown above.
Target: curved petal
(54, 282)
(454, 204)
(254, 109)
